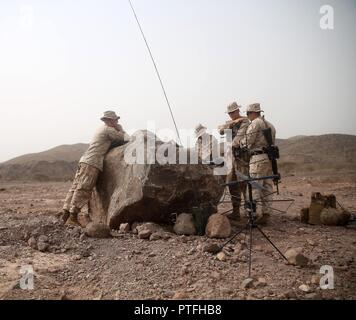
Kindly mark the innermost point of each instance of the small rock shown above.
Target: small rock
(184, 225)
(32, 242)
(155, 236)
(42, 246)
(43, 238)
(183, 239)
(144, 234)
(153, 227)
(180, 295)
(124, 228)
(238, 248)
(304, 288)
(216, 275)
(290, 295)
(221, 256)
(315, 279)
(246, 284)
(218, 226)
(211, 247)
(168, 294)
(262, 282)
(311, 296)
(226, 290)
(185, 270)
(97, 230)
(295, 257)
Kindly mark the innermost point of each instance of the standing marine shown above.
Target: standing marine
(90, 166)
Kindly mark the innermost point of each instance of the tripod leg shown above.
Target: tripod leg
(273, 245)
(234, 236)
(250, 253)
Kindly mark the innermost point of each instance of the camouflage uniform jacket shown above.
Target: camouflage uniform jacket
(100, 145)
(254, 139)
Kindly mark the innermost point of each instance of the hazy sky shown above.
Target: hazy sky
(62, 63)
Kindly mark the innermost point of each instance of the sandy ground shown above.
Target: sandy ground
(125, 267)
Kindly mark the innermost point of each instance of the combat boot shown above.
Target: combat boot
(73, 220)
(65, 215)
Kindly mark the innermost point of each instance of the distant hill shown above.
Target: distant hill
(66, 153)
(330, 152)
(318, 153)
(57, 164)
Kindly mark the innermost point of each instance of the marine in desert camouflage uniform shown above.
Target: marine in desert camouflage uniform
(206, 146)
(260, 165)
(90, 166)
(240, 160)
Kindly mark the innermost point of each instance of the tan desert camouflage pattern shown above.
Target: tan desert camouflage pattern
(255, 139)
(80, 192)
(240, 132)
(260, 165)
(238, 128)
(236, 191)
(255, 107)
(100, 145)
(232, 107)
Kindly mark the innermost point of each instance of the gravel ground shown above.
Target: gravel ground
(73, 266)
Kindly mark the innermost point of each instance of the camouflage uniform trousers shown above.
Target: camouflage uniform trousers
(80, 192)
(238, 190)
(261, 166)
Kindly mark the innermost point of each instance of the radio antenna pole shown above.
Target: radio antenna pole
(157, 72)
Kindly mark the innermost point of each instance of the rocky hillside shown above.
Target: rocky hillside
(331, 152)
(57, 164)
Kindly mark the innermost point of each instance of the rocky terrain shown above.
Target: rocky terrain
(70, 265)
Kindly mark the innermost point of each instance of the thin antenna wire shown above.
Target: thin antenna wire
(158, 74)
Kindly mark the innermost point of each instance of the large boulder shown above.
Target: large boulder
(129, 192)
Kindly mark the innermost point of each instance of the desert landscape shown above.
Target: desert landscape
(69, 265)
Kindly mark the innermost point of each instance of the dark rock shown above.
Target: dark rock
(211, 248)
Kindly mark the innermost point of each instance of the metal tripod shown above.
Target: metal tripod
(250, 207)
